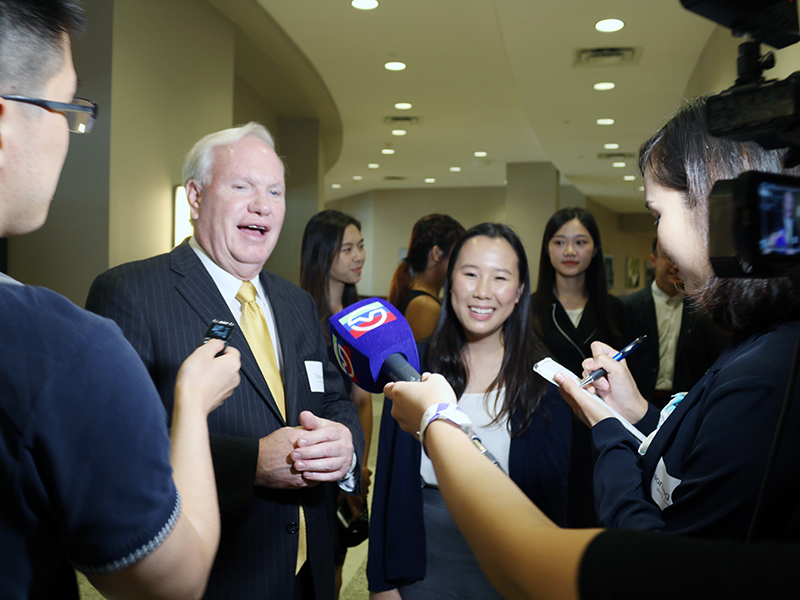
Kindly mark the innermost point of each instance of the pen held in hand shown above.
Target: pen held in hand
(595, 375)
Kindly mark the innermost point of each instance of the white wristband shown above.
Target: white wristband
(448, 412)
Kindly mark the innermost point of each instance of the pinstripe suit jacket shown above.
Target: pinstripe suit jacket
(163, 306)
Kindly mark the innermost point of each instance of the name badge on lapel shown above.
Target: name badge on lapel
(316, 381)
(663, 486)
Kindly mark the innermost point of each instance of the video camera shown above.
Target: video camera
(754, 220)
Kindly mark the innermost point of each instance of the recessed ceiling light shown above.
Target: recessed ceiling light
(602, 86)
(611, 146)
(364, 4)
(618, 165)
(480, 154)
(373, 166)
(357, 178)
(605, 121)
(336, 186)
(403, 106)
(399, 132)
(455, 169)
(629, 178)
(430, 180)
(387, 151)
(641, 188)
(395, 66)
(609, 25)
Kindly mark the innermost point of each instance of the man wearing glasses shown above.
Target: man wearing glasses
(83, 483)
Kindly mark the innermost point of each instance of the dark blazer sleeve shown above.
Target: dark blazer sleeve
(640, 317)
(118, 295)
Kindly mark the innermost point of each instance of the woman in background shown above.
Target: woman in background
(331, 260)
(420, 276)
(485, 346)
(571, 309)
(572, 306)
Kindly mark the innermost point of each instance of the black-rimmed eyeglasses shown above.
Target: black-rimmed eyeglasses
(80, 114)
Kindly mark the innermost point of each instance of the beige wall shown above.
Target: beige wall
(249, 106)
(624, 237)
(387, 217)
(161, 107)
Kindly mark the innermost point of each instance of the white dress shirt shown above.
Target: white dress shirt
(228, 286)
(669, 313)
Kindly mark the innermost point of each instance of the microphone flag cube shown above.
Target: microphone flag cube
(364, 335)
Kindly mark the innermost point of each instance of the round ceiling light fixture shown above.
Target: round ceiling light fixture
(609, 25)
(603, 86)
(364, 4)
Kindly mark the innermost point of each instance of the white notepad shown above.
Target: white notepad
(547, 368)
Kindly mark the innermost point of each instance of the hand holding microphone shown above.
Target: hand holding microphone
(374, 345)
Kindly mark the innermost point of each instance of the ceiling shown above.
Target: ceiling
(497, 76)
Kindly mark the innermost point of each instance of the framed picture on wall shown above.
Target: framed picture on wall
(632, 273)
(608, 261)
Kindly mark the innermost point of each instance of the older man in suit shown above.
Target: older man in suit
(682, 343)
(289, 430)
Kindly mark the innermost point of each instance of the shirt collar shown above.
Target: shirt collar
(227, 284)
(669, 300)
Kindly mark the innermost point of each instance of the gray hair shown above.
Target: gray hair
(200, 161)
(32, 42)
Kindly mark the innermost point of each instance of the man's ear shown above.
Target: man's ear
(653, 260)
(194, 196)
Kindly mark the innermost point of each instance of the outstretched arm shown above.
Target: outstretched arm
(522, 552)
(180, 566)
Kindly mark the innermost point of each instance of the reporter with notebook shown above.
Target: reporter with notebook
(700, 470)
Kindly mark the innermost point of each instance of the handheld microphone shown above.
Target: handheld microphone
(373, 344)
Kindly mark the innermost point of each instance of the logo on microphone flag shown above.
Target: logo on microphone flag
(365, 319)
(342, 354)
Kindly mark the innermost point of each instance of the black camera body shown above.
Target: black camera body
(753, 219)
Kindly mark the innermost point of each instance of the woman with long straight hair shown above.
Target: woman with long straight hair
(419, 278)
(485, 346)
(571, 309)
(331, 259)
(572, 306)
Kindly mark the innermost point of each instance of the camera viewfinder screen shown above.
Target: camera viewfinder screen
(779, 219)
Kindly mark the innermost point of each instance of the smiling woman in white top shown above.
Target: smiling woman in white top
(484, 344)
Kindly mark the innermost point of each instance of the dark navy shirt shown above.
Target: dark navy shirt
(85, 478)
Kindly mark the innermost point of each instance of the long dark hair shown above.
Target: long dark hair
(596, 286)
(522, 348)
(322, 240)
(430, 231)
(682, 156)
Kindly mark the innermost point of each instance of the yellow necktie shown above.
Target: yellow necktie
(255, 330)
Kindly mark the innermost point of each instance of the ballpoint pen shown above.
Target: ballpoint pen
(595, 375)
